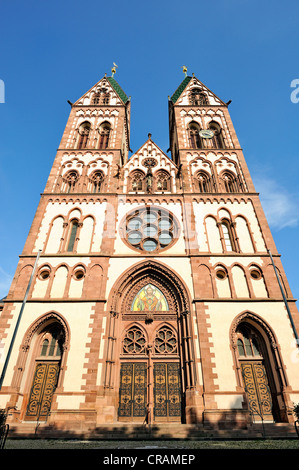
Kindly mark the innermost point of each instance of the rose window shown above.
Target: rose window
(134, 341)
(165, 341)
(150, 229)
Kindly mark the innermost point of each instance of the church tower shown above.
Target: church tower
(146, 291)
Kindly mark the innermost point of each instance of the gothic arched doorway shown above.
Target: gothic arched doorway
(152, 364)
(257, 361)
(47, 363)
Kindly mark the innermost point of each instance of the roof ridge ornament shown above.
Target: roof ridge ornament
(184, 69)
(113, 70)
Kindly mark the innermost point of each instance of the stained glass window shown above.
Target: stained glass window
(150, 299)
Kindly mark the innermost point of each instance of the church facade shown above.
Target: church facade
(155, 290)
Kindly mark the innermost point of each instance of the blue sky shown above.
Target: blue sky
(51, 52)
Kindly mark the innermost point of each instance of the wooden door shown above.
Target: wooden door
(257, 389)
(43, 387)
(133, 390)
(167, 391)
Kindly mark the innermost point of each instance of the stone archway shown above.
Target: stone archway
(163, 317)
(42, 359)
(259, 368)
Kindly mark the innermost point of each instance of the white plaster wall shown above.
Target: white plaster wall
(67, 210)
(221, 316)
(202, 210)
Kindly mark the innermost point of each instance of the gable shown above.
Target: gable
(182, 93)
(109, 85)
(150, 154)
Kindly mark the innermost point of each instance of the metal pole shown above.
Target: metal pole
(18, 321)
(285, 299)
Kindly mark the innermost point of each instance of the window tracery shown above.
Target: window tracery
(150, 229)
(97, 180)
(101, 97)
(162, 181)
(230, 182)
(248, 342)
(71, 179)
(134, 341)
(204, 183)
(51, 344)
(165, 341)
(137, 181)
(198, 97)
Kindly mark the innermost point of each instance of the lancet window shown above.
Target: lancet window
(195, 141)
(137, 181)
(217, 140)
(203, 182)
(71, 179)
(104, 132)
(162, 181)
(230, 182)
(84, 131)
(97, 180)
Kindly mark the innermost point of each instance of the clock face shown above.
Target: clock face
(206, 134)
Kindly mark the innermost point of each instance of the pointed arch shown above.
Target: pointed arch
(252, 337)
(123, 293)
(172, 348)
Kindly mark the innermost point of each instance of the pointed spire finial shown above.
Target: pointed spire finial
(184, 70)
(113, 70)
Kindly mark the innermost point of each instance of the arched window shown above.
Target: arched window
(70, 180)
(227, 233)
(104, 132)
(248, 342)
(195, 141)
(165, 341)
(217, 140)
(101, 97)
(51, 344)
(134, 341)
(72, 235)
(149, 299)
(198, 98)
(97, 179)
(84, 131)
(137, 181)
(162, 181)
(230, 182)
(203, 181)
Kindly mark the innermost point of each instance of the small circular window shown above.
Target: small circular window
(79, 273)
(150, 229)
(44, 273)
(255, 273)
(221, 273)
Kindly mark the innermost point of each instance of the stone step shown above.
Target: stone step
(166, 431)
